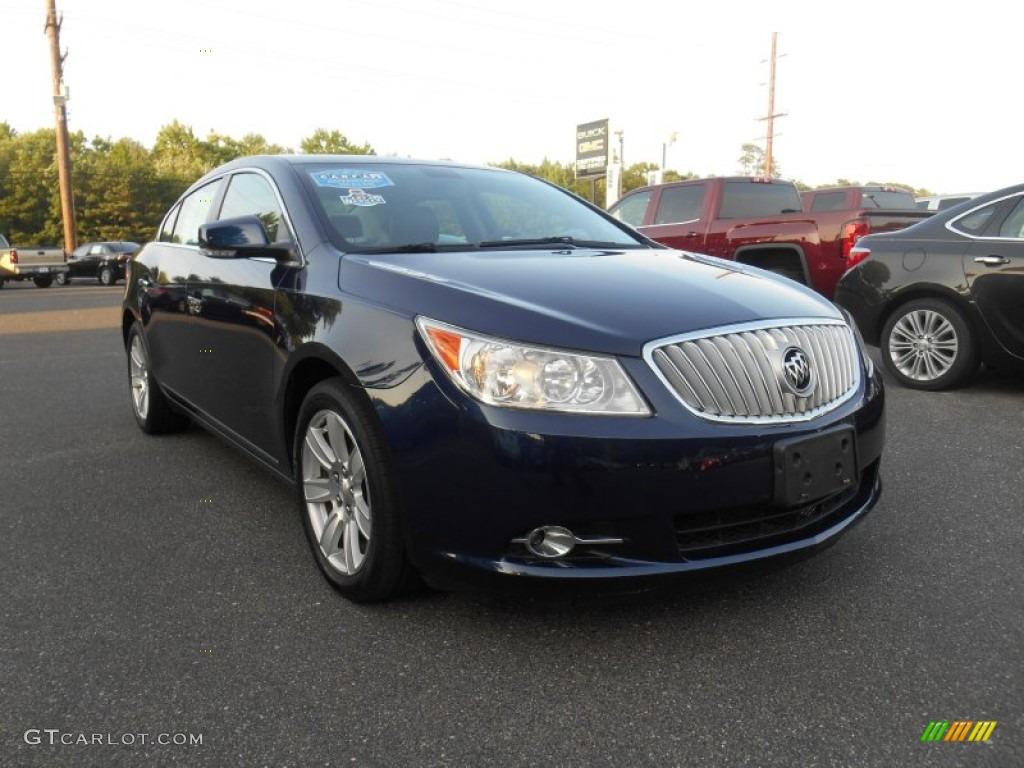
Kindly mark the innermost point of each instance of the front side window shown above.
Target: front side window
(250, 194)
(631, 209)
(195, 210)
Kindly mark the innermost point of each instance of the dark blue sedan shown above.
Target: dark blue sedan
(472, 375)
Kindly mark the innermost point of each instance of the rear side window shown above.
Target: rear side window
(747, 200)
(679, 204)
(974, 223)
(829, 201)
(890, 200)
(631, 209)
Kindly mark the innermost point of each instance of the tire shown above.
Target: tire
(929, 344)
(106, 276)
(346, 494)
(153, 413)
(62, 278)
(42, 282)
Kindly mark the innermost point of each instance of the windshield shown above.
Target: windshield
(406, 207)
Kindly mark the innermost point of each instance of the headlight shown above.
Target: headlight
(503, 373)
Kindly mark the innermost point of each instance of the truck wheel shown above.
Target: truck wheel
(106, 276)
(929, 344)
(43, 282)
(346, 495)
(62, 278)
(153, 413)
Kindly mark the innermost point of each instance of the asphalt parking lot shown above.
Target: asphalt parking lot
(159, 590)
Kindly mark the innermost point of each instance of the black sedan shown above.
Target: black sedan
(104, 262)
(473, 375)
(944, 295)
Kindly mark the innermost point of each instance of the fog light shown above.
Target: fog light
(550, 541)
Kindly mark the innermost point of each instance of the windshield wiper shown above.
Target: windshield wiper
(408, 248)
(558, 240)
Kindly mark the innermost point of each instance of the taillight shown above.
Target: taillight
(14, 256)
(852, 232)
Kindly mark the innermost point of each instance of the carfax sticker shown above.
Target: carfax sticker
(362, 199)
(350, 178)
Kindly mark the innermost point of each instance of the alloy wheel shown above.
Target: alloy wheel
(923, 345)
(139, 373)
(336, 491)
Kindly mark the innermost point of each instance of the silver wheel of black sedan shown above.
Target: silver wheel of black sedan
(928, 344)
(138, 370)
(347, 493)
(153, 413)
(337, 492)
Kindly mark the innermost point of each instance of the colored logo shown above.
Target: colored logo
(958, 730)
(362, 199)
(351, 179)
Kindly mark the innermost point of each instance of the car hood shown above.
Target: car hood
(592, 300)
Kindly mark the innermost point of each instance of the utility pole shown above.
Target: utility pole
(60, 100)
(771, 111)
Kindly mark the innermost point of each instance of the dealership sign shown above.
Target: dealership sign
(592, 149)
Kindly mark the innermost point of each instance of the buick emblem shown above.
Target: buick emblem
(796, 369)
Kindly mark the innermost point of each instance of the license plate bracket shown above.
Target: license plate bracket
(811, 468)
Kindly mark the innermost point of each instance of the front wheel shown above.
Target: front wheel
(42, 282)
(929, 344)
(346, 495)
(106, 276)
(62, 278)
(153, 413)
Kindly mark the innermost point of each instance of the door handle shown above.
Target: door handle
(991, 261)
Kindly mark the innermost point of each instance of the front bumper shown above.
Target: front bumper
(684, 495)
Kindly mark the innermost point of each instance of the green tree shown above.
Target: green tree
(29, 192)
(324, 142)
(752, 162)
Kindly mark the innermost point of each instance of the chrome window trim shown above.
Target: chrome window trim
(949, 224)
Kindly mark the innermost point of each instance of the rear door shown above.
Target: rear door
(676, 219)
(994, 267)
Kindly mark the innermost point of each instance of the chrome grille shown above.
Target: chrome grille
(737, 373)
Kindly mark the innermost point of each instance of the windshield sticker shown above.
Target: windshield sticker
(362, 199)
(351, 179)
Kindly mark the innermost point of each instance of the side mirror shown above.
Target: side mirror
(241, 238)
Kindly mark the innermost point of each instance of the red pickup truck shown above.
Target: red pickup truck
(759, 222)
(850, 197)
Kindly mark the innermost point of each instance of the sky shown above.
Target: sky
(899, 91)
